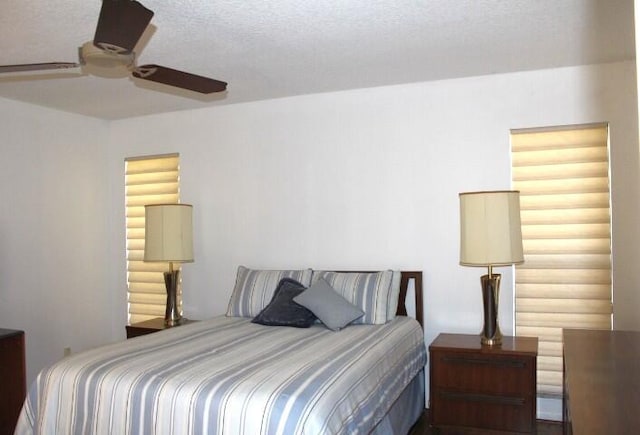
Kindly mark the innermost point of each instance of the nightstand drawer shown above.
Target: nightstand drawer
(492, 412)
(477, 373)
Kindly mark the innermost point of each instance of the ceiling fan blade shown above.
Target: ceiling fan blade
(37, 66)
(179, 79)
(120, 25)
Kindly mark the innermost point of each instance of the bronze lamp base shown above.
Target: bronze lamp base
(491, 335)
(172, 316)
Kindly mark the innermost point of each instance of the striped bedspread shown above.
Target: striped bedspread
(229, 376)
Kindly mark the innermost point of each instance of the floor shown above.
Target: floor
(544, 428)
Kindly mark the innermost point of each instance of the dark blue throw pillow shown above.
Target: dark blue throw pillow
(282, 310)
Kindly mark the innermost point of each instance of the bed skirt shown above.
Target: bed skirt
(406, 411)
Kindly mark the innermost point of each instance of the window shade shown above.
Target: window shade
(565, 281)
(148, 180)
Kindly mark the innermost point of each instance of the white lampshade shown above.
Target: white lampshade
(490, 231)
(168, 233)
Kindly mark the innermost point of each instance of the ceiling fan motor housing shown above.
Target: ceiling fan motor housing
(105, 64)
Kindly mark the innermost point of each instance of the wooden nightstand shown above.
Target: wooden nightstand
(150, 326)
(12, 378)
(480, 387)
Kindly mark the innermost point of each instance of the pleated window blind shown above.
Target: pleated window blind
(565, 282)
(148, 180)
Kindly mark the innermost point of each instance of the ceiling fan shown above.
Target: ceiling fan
(110, 54)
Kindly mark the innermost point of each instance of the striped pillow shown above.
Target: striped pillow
(371, 292)
(394, 294)
(254, 289)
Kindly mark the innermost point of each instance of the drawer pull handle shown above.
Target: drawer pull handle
(503, 400)
(492, 362)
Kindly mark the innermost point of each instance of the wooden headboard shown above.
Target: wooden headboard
(404, 284)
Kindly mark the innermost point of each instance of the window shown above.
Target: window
(148, 180)
(565, 282)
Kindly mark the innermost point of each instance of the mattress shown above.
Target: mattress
(230, 376)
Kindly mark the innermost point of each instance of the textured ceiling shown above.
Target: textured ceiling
(279, 48)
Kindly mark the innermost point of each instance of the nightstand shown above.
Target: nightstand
(150, 326)
(12, 378)
(481, 387)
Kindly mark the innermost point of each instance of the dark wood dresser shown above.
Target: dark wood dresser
(13, 386)
(601, 382)
(482, 389)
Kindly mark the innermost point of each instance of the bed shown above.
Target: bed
(230, 375)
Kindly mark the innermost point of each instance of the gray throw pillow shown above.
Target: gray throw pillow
(282, 311)
(331, 308)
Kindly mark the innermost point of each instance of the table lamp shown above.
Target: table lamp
(490, 235)
(168, 237)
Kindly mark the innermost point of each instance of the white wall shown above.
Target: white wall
(369, 179)
(53, 228)
(358, 179)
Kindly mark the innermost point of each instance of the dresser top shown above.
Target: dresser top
(471, 343)
(4, 333)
